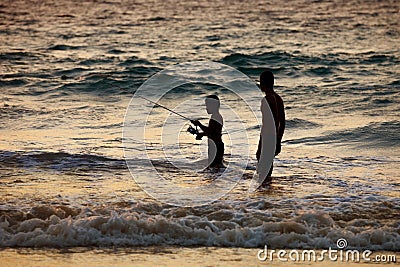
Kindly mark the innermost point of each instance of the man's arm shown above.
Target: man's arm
(282, 119)
(281, 123)
(258, 153)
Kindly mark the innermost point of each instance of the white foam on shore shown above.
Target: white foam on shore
(216, 225)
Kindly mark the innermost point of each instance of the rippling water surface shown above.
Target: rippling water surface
(70, 68)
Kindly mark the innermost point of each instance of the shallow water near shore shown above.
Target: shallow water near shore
(69, 70)
(164, 256)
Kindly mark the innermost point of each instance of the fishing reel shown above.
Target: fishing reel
(195, 132)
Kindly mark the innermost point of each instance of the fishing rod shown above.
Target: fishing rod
(191, 129)
(161, 106)
(155, 103)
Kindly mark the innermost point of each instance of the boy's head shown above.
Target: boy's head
(212, 104)
(266, 81)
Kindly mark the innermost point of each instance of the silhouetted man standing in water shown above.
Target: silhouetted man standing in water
(275, 103)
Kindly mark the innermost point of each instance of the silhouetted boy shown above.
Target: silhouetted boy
(214, 132)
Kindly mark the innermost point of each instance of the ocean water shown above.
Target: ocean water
(70, 68)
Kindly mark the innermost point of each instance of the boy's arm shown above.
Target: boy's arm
(202, 127)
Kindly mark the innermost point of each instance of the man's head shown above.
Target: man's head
(266, 81)
(212, 104)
